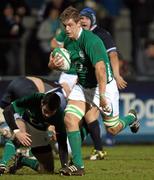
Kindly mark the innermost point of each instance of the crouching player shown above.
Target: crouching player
(29, 118)
(14, 91)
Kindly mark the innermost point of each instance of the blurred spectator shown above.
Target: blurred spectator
(21, 8)
(141, 15)
(58, 4)
(10, 27)
(10, 31)
(145, 59)
(46, 31)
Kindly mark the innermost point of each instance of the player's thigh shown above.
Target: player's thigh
(77, 103)
(70, 79)
(74, 112)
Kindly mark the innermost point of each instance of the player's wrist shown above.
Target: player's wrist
(102, 95)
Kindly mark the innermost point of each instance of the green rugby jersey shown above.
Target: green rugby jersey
(29, 107)
(85, 52)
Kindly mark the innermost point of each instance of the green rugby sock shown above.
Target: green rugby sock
(127, 120)
(32, 163)
(9, 152)
(75, 143)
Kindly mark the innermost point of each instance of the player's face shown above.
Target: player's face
(85, 22)
(72, 28)
(47, 112)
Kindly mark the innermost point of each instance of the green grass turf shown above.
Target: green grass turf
(122, 163)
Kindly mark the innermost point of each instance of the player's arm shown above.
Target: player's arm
(55, 43)
(114, 59)
(58, 40)
(9, 117)
(100, 71)
(98, 56)
(97, 53)
(21, 134)
(17, 126)
(55, 62)
(13, 116)
(7, 96)
(113, 56)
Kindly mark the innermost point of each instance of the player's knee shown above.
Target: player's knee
(73, 115)
(113, 125)
(70, 121)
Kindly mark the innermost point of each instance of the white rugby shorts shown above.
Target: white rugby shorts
(70, 79)
(91, 96)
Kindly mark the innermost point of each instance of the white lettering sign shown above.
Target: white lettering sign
(145, 108)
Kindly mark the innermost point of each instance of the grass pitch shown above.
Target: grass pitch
(122, 163)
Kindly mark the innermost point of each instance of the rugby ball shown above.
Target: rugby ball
(66, 58)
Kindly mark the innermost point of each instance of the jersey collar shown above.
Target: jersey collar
(79, 34)
(93, 27)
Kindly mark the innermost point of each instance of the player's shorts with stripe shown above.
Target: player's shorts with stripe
(91, 96)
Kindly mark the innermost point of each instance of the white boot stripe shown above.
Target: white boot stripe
(73, 168)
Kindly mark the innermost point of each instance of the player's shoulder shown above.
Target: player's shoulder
(89, 36)
(102, 31)
(87, 33)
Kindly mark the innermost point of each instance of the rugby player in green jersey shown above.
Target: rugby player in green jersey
(14, 91)
(88, 21)
(29, 118)
(96, 89)
(68, 80)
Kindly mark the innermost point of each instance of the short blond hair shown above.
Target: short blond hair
(70, 13)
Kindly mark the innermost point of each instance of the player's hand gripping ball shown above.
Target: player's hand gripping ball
(64, 56)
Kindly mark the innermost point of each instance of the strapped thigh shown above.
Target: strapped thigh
(111, 123)
(75, 110)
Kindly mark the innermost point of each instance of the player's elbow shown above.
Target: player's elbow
(100, 67)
